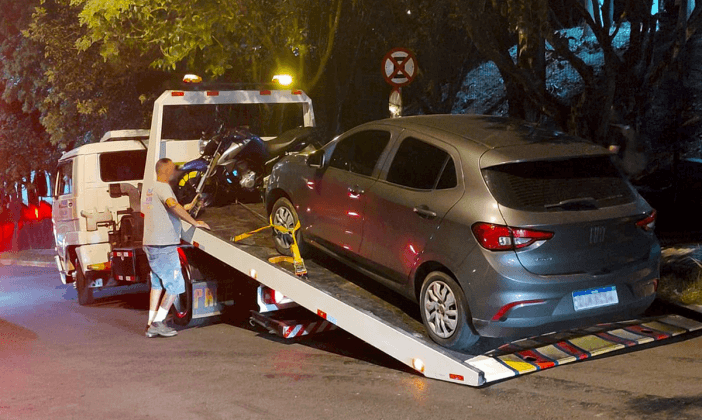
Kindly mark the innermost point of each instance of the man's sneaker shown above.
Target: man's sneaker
(160, 328)
(148, 333)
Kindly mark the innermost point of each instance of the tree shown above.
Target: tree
(21, 134)
(614, 100)
(246, 40)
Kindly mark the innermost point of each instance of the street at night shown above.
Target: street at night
(61, 360)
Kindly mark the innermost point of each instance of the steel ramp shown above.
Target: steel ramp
(391, 330)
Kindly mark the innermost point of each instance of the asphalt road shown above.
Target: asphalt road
(59, 360)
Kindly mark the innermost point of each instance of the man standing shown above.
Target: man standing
(162, 229)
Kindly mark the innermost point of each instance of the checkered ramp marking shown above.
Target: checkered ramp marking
(550, 350)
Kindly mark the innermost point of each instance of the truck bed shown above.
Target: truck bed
(326, 274)
(382, 318)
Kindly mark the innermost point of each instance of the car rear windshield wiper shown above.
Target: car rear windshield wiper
(575, 204)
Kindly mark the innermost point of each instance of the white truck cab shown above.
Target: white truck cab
(96, 206)
(84, 211)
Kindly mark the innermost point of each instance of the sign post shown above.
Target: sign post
(399, 69)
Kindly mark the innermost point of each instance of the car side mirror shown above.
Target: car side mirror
(316, 159)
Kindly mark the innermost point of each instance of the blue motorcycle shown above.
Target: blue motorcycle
(234, 163)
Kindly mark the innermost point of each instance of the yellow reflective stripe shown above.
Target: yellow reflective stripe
(187, 177)
(517, 364)
(595, 345)
(668, 329)
(557, 355)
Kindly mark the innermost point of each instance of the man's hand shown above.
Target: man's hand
(190, 205)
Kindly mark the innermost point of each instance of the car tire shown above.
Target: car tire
(182, 308)
(284, 214)
(85, 293)
(445, 312)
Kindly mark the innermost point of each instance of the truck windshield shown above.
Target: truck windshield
(265, 120)
(122, 166)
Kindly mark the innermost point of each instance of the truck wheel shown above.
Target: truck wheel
(284, 214)
(445, 312)
(85, 293)
(182, 308)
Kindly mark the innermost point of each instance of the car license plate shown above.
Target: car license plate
(594, 298)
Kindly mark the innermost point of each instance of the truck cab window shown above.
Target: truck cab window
(64, 179)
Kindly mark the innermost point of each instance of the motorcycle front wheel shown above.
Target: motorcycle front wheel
(186, 189)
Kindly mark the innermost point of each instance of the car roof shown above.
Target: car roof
(493, 132)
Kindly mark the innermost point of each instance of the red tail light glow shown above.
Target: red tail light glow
(504, 238)
(501, 315)
(648, 223)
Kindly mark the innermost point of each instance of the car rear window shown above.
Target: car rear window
(559, 185)
(122, 166)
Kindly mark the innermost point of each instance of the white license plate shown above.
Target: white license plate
(594, 298)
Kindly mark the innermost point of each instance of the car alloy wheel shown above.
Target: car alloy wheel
(445, 312)
(441, 311)
(284, 214)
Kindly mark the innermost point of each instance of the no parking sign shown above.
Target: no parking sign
(399, 67)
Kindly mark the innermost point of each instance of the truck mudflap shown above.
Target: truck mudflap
(556, 349)
(210, 298)
(129, 264)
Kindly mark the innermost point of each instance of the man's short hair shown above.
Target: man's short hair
(162, 163)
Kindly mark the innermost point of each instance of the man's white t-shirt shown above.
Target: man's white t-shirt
(161, 227)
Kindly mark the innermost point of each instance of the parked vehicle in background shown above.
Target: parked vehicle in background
(96, 210)
(494, 226)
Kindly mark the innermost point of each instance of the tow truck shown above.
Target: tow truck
(344, 301)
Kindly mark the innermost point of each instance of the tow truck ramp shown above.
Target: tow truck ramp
(392, 331)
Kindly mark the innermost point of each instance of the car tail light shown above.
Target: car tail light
(648, 223)
(503, 238)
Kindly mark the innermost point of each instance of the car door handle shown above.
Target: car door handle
(356, 191)
(425, 212)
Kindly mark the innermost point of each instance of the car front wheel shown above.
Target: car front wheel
(284, 214)
(445, 312)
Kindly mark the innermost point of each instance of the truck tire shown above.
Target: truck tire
(445, 312)
(182, 309)
(284, 214)
(85, 293)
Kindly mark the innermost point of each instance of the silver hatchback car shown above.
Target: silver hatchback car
(495, 227)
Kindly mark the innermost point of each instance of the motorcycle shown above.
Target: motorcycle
(234, 163)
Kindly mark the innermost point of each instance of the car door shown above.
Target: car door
(405, 209)
(339, 198)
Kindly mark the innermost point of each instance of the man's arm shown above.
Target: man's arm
(179, 211)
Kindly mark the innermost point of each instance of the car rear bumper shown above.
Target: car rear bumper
(518, 303)
(526, 326)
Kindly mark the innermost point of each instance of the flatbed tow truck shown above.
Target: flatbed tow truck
(344, 303)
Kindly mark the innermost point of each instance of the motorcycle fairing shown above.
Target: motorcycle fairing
(199, 164)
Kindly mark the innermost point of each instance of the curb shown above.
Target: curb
(28, 263)
(694, 308)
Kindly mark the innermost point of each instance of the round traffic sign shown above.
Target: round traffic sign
(399, 67)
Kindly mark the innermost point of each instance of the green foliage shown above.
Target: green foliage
(246, 40)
